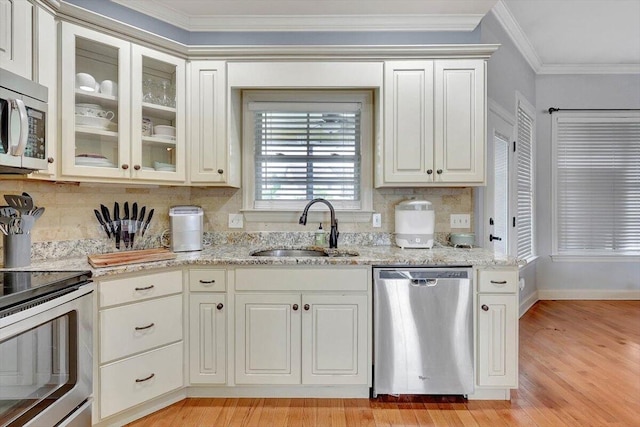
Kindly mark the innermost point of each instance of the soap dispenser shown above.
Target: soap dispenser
(320, 236)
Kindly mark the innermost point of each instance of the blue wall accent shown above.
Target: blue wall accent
(198, 38)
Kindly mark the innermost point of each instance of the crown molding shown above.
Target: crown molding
(519, 38)
(249, 23)
(315, 52)
(589, 69)
(335, 23)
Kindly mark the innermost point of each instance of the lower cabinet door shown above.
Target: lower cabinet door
(334, 339)
(267, 339)
(135, 380)
(207, 338)
(497, 361)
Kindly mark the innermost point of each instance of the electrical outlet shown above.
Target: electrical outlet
(376, 220)
(460, 220)
(236, 221)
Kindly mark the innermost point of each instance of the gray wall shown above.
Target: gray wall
(577, 91)
(508, 72)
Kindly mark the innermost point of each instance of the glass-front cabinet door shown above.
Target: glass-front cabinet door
(95, 107)
(157, 121)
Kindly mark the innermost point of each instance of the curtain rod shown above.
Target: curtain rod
(554, 109)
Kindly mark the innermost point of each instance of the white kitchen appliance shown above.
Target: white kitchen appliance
(186, 228)
(415, 224)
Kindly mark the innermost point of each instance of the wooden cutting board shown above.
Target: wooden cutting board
(130, 257)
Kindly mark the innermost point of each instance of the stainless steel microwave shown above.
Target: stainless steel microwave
(23, 118)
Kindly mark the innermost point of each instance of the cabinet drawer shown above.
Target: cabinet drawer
(328, 278)
(138, 327)
(207, 280)
(135, 380)
(498, 281)
(140, 288)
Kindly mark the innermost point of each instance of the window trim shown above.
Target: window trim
(290, 212)
(574, 255)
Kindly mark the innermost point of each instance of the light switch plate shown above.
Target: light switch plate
(460, 220)
(376, 220)
(236, 221)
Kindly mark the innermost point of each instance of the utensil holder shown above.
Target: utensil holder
(17, 250)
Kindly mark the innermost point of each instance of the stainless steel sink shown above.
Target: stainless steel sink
(291, 253)
(301, 253)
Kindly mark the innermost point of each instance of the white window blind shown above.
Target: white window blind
(597, 182)
(524, 178)
(306, 150)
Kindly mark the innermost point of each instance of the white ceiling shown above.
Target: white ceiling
(555, 36)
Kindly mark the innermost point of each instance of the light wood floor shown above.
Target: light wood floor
(579, 366)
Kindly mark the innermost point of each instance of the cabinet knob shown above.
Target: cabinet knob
(439, 171)
(136, 167)
(485, 307)
(295, 307)
(306, 307)
(220, 306)
(220, 171)
(429, 171)
(49, 159)
(125, 166)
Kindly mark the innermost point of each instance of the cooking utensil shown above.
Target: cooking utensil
(102, 223)
(27, 222)
(125, 225)
(107, 218)
(22, 204)
(146, 224)
(134, 222)
(37, 212)
(8, 211)
(116, 223)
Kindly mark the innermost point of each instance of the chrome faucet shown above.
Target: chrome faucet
(333, 234)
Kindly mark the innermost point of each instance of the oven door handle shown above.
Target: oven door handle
(17, 148)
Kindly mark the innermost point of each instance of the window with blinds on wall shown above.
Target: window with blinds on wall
(305, 150)
(525, 182)
(597, 182)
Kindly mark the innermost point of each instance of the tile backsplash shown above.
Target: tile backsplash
(69, 207)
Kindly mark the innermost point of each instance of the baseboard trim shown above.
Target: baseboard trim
(588, 294)
(528, 302)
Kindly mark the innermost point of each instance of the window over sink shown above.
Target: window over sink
(307, 144)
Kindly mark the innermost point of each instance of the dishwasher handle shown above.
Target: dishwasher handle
(424, 282)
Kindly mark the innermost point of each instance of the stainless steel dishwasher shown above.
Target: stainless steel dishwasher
(423, 331)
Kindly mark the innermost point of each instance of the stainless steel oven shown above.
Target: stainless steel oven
(46, 346)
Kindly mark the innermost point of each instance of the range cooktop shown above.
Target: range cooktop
(19, 287)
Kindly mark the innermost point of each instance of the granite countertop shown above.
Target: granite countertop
(241, 255)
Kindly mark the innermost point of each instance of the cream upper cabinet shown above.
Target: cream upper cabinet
(114, 95)
(214, 161)
(16, 39)
(434, 121)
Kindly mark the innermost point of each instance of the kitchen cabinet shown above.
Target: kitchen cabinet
(434, 123)
(315, 336)
(207, 326)
(215, 158)
(140, 345)
(113, 95)
(497, 328)
(16, 37)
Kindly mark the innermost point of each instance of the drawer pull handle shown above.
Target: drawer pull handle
(142, 328)
(220, 306)
(146, 288)
(499, 282)
(485, 307)
(207, 282)
(141, 380)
